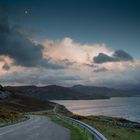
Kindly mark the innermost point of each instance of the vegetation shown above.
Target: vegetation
(13, 107)
(77, 132)
(25, 103)
(9, 117)
(111, 119)
(109, 131)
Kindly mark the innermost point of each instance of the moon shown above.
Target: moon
(26, 12)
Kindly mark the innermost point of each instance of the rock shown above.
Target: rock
(4, 94)
(1, 88)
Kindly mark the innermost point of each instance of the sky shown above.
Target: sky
(68, 42)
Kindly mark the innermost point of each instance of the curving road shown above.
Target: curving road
(36, 128)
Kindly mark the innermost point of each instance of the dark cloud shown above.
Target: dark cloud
(18, 46)
(38, 78)
(120, 55)
(6, 67)
(102, 58)
(24, 52)
(26, 31)
(67, 62)
(103, 69)
(117, 56)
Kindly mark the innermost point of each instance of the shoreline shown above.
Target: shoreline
(115, 107)
(111, 127)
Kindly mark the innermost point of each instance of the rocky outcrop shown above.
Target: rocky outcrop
(1, 88)
(4, 94)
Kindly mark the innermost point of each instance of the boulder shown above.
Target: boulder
(1, 88)
(4, 94)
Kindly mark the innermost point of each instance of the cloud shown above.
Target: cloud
(128, 78)
(102, 69)
(53, 65)
(68, 49)
(64, 62)
(102, 58)
(21, 49)
(117, 56)
(121, 55)
(38, 77)
(18, 47)
(6, 67)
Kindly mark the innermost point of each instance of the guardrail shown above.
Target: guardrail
(95, 134)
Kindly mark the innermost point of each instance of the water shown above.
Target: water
(128, 107)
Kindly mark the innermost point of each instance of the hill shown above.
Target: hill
(22, 103)
(77, 92)
(101, 91)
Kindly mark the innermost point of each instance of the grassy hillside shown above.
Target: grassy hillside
(115, 132)
(110, 131)
(10, 117)
(13, 105)
(25, 103)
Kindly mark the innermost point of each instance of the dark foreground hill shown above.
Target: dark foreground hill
(25, 103)
(13, 105)
(22, 103)
(78, 92)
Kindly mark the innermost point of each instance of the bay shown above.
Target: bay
(126, 107)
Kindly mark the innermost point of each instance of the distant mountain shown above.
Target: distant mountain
(101, 91)
(53, 92)
(77, 92)
(134, 91)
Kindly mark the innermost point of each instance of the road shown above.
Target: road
(36, 128)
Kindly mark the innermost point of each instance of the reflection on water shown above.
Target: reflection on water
(120, 107)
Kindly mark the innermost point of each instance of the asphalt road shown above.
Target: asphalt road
(36, 128)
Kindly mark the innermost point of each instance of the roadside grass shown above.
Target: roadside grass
(111, 119)
(8, 117)
(115, 132)
(77, 132)
(109, 131)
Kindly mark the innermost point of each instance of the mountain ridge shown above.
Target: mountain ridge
(76, 92)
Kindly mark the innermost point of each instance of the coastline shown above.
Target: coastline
(113, 128)
(127, 108)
